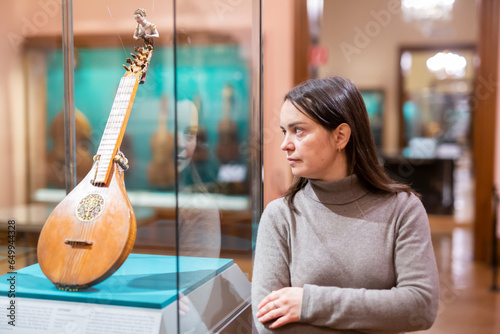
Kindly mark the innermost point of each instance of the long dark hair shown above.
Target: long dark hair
(331, 102)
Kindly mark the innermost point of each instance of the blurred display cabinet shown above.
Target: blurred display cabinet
(190, 159)
(436, 104)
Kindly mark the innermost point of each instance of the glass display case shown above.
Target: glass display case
(142, 166)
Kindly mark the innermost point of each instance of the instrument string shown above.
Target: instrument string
(119, 37)
(119, 109)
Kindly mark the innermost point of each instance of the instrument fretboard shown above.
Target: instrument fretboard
(115, 128)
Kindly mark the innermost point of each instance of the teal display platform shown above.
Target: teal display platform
(147, 281)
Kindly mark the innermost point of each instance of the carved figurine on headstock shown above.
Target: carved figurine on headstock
(145, 29)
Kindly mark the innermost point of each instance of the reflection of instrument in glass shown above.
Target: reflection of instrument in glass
(56, 158)
(201, 151)
(227, 147)
(90, 233)
(161, 169)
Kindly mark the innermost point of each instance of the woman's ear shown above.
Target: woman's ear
(343, 134)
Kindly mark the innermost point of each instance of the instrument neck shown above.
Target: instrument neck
(227, 105)
(163, 116)
(115, 127)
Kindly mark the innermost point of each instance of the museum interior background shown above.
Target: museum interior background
(435, 126)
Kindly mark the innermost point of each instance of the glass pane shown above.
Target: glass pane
(89, 247)
(33, 36)
(163, 163)
(215, 103)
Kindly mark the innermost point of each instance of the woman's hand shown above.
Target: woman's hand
(283, 305)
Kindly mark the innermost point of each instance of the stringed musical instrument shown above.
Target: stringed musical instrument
(227, 146)
(90, 233)
(161, 169)
(57, 157)
(201, 151)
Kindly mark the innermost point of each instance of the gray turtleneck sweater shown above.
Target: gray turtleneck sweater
(365, 260)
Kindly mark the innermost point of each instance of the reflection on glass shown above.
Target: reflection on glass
(210, 164)
(210, 225)
(199, 229)
(214, 104)
(56, 155)
(199, 221)
(161, 173)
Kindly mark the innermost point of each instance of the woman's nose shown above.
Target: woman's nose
(286, 145)
(181, 140)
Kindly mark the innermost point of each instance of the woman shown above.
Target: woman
(346, 249)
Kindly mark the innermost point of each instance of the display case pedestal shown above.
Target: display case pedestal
(141, 297)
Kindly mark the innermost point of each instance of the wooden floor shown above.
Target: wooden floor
(467, 305)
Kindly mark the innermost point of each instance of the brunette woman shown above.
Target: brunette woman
(346, 249)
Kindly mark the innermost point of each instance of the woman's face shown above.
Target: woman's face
(310, 148)
(187, 123)
(186, 143)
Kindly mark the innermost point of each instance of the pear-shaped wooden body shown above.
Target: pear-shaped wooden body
(89, 234)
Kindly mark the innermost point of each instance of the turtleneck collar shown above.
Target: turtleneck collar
(341, 191)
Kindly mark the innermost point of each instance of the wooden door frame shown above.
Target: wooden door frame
(484, 121)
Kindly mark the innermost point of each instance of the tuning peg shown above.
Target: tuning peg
(150, 47)
(136, 49)
(129, 61)
(133, 55)
(126, 67)
(122, 161)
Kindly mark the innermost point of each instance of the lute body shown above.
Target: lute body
(89, 234)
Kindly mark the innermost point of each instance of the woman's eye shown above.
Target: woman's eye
(298, 130)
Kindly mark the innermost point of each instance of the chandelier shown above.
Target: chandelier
(447, 64)
(426, 12)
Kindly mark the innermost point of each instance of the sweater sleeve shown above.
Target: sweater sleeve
(410, 305)
(271, 263)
